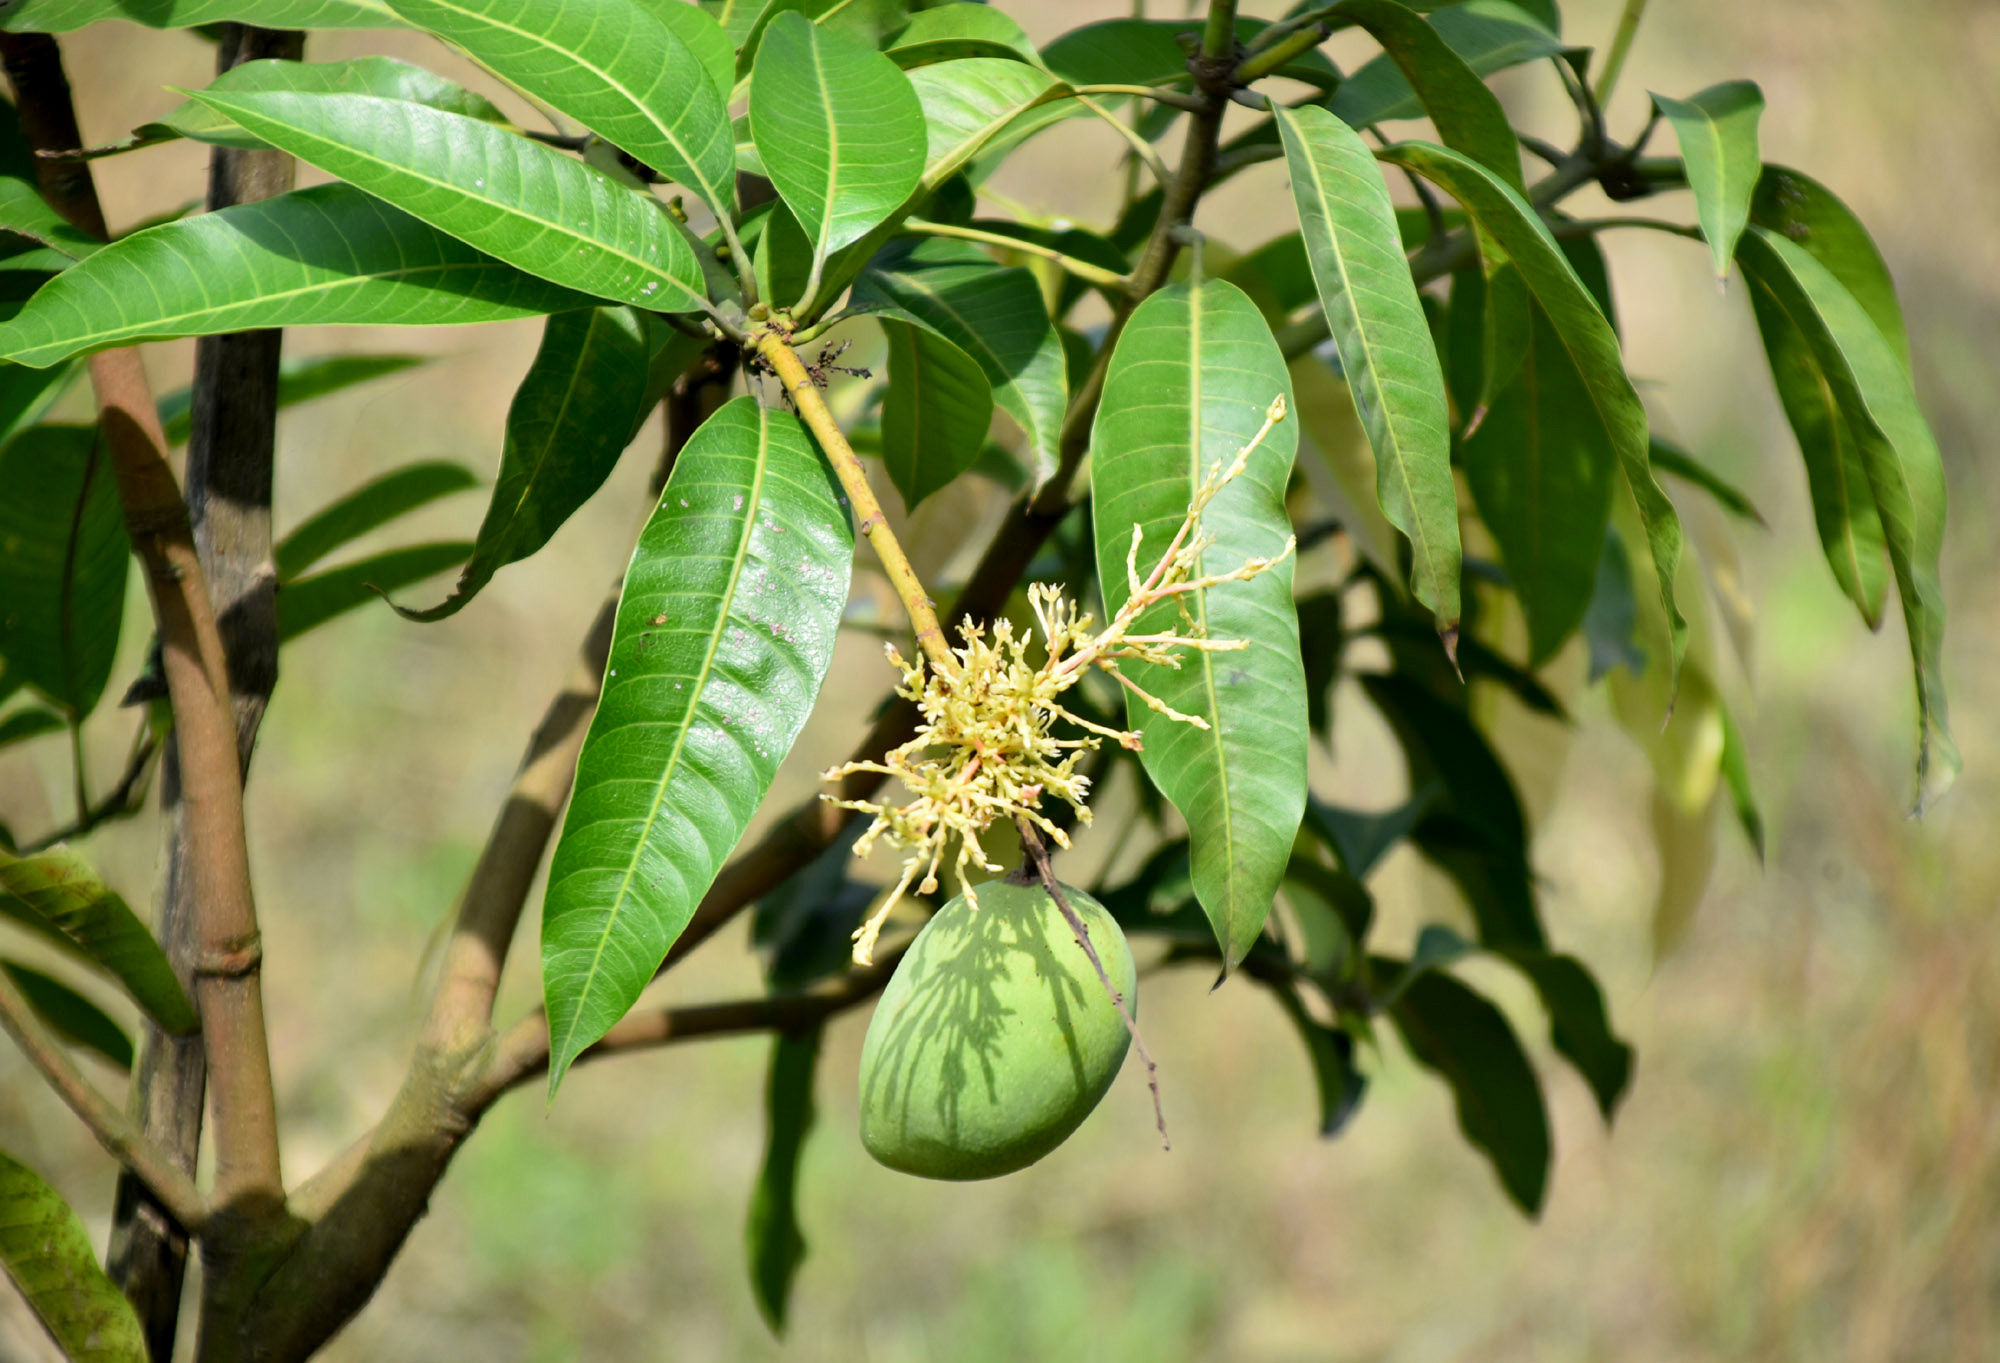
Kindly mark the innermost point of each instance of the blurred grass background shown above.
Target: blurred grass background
(1808, 1166)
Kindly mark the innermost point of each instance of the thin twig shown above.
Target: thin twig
(125, 799)
(1082, 269)
(1038, 852)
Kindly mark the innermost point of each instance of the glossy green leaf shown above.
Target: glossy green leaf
(48, 1255)
(299, 381)
(725, 630)
(1804, 211)
(57, 894)
(330, 255)
(1672, 459)
(1340, 1083)
(954, 31)
(369, 507)
(570, 419)
(519, 201)
(1543, 476)
(24, 212)
(995, 315)
(1585, 335)
(1467, 115)
(775, 1243)
(66, 16)
(865, 21)
(1898, 453)
(839, 128)
(70, 1015)
(1193, 376)
(1485, 36)
(615, 66)
(783, 255)
(29, 721)
(1457, 1033)
(979, 105)
(309, 602)
(934, 413)
(1378, 326)
(735, 17)
(1717, 129)
(383, 76)
(64, 559)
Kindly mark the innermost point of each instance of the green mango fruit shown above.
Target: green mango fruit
(994, 1038)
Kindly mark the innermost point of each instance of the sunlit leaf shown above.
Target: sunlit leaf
(1801, 209)
(383, 76)
(65, 16)
(954, 31)
(48, 1255)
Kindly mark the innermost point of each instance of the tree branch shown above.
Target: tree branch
(227, 991)
(113, 1130)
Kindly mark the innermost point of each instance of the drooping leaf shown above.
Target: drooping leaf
(48, 1254)
(934, 413)
(1191, 382)
(615, 66)
(1898, 453)
(1717, 129)
(308, 602)
(66, 16)
(775, 1243)
(725, 631)
(1340, 1083)
(570, 419)
(1802, 210)
(1579, 1025)
(1844, 513)
(1349, 226)
(1736, 776)
(955, 31)
(1467, 115)
(1543, 476)
(64, 558)
(369, 507)
(1457, 1033)
(70, 1015)
(57, 894)
(839, 128)
(1585, 334)
(1487, 37)
(383, 76)
(994, 315)
(519, 201)
(330, 255)
(1672, 459)
(300, 380)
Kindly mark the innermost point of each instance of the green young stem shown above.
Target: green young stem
(1285, 28)
(1621, 44)
(798, 381)
(1153, 92)
(1218, 36)
(1141, 148)
(1082, 269)
(1271, 58)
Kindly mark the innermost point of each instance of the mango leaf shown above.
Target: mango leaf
(369, 507)
(1672, 459)
(29, 721)
(1455, 1032)
(1736, 777)
(615, 66)
(839, 128)
(1717, 129)
(954, 31)
(1360, 839)
(1191, 381)
(299, 380)
(66, 16)
(571, 418)
(24, 212)
(782, 253)
(27, 394)
(736, 17)
(519, 201)
(1150, 52)
(56, 894)
(934, 413)
(1801, 209)
(995, 315)
(1486, 36)
(725, 631)
(980, 105)
(1467, 115)
(773, 1239)
(308, 602)
(1378, 326)
(1899, 454)
(1610, 625)
(48, 1255)
(64, 559)
(1579, 1026)
(1543, 476)
(865, 21)
(805, 927)
(1341, 1085)
(70, 1015)
(330, 255)
(1323, 639)
(383, 76)
(1585, 335)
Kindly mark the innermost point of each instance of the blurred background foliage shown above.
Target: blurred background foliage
(1808, 1165)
